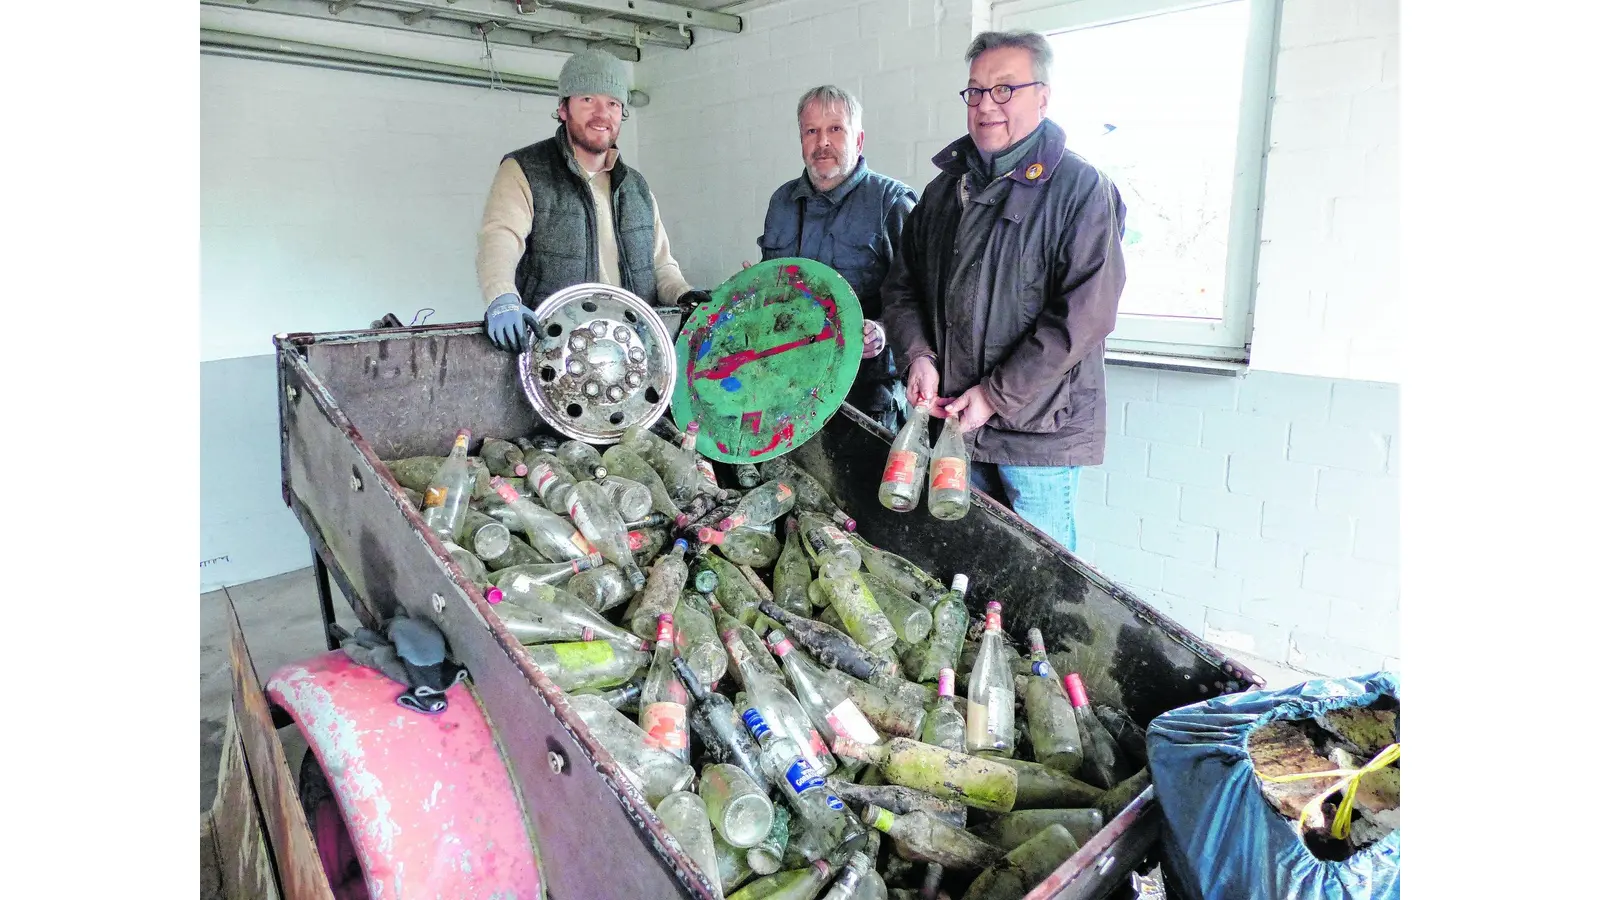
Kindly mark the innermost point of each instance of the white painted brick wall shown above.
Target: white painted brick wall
(330, 198)
(1326, 298)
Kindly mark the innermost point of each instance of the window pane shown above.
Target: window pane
(1154, 103)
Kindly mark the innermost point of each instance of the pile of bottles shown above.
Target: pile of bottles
(809, 714)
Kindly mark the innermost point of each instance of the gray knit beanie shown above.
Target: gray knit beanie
(593, 72)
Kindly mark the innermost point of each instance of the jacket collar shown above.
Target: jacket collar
(803, 187)
(1035, 168)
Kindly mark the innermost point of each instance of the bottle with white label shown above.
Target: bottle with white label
(664, 702)
(991, 694)
(806, 790)
(825, 702)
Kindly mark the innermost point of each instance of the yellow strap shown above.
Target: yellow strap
(1350, 780)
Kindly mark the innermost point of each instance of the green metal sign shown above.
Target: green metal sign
(764, 364)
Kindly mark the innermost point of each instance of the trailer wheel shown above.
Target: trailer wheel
(334, 847)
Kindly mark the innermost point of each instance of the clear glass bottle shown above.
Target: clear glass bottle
(825, 703)
(444, 503)
(698, 643)
(580, 459)
(835, 554)
(550, 534)
(630, 498)
(779, 711)
(620, 460)
(601, 588)
(687, 819)
(544, 614)
(790, 884)
(1052, 725)
(525, 578)
(657, 774)
(804, 788)
(900, 488)
(738, 807)
(948, 633)
(664, 701)
(502, 458)
(809, 494)
(550, 480)
(661, 590)
(943, 725)
(991, 694)
(949, 493)
(599, 521)
(748, 545)
(761, 505)
(577, 665)
(791, 575)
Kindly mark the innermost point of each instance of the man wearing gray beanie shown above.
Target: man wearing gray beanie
(566, 211)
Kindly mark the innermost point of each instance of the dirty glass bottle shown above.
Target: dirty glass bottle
(982, 783)
(1052, 724)
(991, 694)
(550, 534)
(503, 458)
(949, 493)
(444, 503)
(825, 703)
(900, 488)
(664, 701)
(661, 590)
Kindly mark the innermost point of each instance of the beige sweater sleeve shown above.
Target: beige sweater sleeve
(670, 283)
(507, 219)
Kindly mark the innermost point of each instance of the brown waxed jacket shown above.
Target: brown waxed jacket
(1015, 286)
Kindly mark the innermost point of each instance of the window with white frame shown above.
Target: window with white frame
(1169, 98)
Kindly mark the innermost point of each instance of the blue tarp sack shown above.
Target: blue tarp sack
(1224, 839)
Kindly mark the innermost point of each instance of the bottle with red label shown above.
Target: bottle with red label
(664, 701)
(444, 503)
(949, 492)
(900, 489)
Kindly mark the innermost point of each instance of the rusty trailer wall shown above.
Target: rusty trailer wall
(350, 400)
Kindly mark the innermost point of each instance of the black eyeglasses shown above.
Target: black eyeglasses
(1000, 92)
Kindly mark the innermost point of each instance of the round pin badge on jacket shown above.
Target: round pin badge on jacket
(1034, 171)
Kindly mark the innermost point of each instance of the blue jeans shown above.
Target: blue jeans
(1044, 495)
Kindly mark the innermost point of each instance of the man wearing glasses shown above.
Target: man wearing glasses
(848, 217)
(566, 211)
(1006, 286)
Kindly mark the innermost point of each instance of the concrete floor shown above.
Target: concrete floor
(281, 624)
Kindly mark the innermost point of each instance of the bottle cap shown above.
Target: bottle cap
(708, 535)
(1035, 640)
(693, 428)
(600, 473)
(849, 524)
(521, 470)
(959, 584)
(464, 434)
(680, 545)
(493, 595)
(779, 642)
(1075, 691)
(947, 682)
(877, 817)
(664, 628)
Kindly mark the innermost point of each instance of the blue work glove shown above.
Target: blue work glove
(508, 321)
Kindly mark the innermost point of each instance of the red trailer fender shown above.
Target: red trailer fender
(427, 800)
